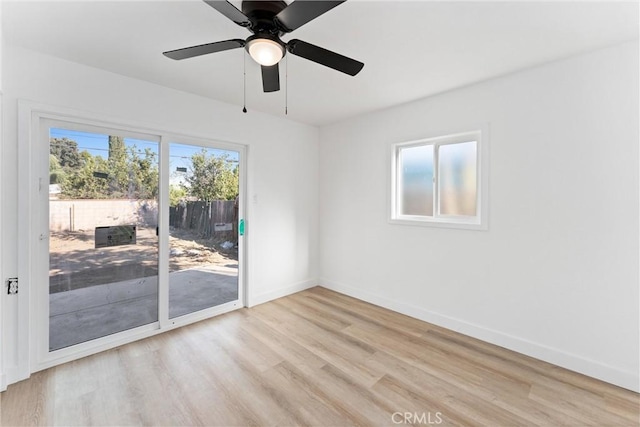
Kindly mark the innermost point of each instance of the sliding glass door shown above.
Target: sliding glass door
(103, 245)
(203, 227)
(136, 233)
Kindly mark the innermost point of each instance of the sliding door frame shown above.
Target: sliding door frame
(33, 119)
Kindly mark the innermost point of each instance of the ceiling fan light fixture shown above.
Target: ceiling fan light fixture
(269, 20)
(265, 51)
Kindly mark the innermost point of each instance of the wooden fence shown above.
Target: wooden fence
(218, 219)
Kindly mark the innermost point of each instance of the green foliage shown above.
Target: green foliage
(57, 173)
(176, 195)
(212, 178)
(83, 184)
(143, 175)
(127, 173)
(64, 158)
(119, 169)
(66, 152)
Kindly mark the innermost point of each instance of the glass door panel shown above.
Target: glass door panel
(103, 244)
(203, 232)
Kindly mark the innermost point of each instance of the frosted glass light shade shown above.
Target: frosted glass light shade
(265, 52)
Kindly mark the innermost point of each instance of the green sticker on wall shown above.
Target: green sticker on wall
(241, 227)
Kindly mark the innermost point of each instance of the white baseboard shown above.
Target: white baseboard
(280, 292)
(625, 379)
(13, 375)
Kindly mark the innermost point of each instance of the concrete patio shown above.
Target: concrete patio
(83, 314)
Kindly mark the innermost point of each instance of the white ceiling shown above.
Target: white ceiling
(411, 49)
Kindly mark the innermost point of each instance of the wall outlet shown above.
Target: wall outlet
(12, 286)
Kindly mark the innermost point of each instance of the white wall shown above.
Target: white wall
(282, 199)
(556, 275)
(3, 384)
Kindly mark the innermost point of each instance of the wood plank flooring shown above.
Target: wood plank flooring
(315, 358)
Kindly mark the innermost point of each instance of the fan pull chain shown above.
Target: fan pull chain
(244, 81)
(286, 86)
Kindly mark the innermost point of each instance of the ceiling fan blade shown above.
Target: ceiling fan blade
(271, 78)
(300, 12)
(203, 49)
(230, 11)
(324, 57)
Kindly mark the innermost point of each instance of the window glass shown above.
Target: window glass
(416, 188)
(437, 181)
(457, 178)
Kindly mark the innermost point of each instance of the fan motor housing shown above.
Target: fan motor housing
(261, 14)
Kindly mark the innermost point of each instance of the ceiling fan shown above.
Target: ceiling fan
(268, 21)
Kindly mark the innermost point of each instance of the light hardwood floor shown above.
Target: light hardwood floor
(314, 358)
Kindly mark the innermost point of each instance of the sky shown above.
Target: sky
(179, 154)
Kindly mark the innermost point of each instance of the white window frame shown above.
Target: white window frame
(480, 134)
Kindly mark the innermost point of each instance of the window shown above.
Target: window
(439, 181)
